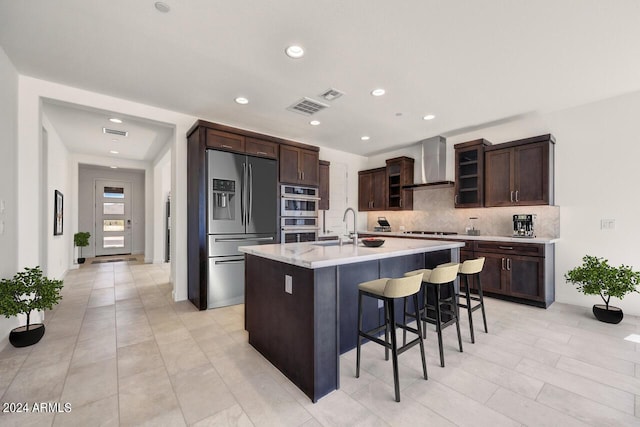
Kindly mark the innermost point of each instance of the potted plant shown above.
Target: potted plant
(81, 239)
(28, 290)
(596, 277)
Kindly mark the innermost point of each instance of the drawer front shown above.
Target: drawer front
(261, 148)
(525, 249)
(225, 141)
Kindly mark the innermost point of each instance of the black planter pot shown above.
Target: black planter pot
(612, 315)
(20, 337)
(81, 260)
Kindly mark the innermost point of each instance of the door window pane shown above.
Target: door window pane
(113, 242)
(113, 208)
(114, 192)
(113, 225)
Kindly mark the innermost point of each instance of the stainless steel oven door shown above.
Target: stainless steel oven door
(298, 207)
(299, 235)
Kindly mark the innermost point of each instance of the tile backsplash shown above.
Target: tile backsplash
(433, 210)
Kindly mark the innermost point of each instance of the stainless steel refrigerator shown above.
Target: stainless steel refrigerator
(242, 209)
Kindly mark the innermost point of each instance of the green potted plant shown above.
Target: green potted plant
(81, 239)
(596, 277)
(27, 291)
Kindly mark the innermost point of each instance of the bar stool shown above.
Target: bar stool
(469, 268)
(388, 290)
(441, 276)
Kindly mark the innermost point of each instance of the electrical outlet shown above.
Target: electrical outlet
(288, 284)
(380, 303)
(607, 224)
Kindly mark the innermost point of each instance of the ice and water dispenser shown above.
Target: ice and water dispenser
(224, 192)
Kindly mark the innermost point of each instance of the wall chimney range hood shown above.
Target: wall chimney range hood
(433, 165)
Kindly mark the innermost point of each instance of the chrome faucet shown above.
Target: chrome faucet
(354, 236)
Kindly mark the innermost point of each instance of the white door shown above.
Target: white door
(113, 218)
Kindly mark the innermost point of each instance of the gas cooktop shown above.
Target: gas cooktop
(439, 233)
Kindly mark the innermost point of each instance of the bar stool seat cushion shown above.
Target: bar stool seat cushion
(426, 273)
(472, 266)
(393, 288)
(375, 287)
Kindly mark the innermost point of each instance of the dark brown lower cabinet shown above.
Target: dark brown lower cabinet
(522, 271)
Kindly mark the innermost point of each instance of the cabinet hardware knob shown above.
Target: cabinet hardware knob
(262, 153)
(506, 247)
(517, 196)
(509, 264)
(511, 196)
(226, 146)
(502, 262)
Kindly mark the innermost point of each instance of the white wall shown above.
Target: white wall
(162, 188)
(8, 178)
(343, 165)
(30, 93)
(86, 204)
(58, 255)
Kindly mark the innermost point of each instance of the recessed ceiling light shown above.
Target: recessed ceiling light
(242, 100)
(113, 167)
(294, 51)
(162, 7)
(365, 138)
(114, 120)
(314, 122)
(114, 152)
(429, 117)
(378, 92)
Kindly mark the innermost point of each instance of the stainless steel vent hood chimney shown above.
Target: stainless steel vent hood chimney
(433, 173)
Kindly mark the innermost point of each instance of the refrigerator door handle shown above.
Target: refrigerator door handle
(244, 239)
(230, 261)
(250, 210)
(242, 192)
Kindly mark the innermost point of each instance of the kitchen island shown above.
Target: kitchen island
(301, 300)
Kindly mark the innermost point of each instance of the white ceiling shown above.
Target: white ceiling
(81, 129)
(468, 62)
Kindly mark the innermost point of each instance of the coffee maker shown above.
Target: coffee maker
(523, 225)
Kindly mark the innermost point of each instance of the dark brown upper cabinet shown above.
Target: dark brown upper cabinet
(520, 172)
(324, 186)
(299, 165)
(399, 174)
(227, 141)
(371, 189)
(469, 164)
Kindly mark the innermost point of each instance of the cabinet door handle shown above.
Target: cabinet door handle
(262, 153)
(511, 196)
(509, 264)
(400, 202)
(502, 263)
(510, 248)
(302, 175)
(226, 146)
(455, 199)
(517, 196)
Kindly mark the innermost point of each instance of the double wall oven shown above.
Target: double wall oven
(298, 214)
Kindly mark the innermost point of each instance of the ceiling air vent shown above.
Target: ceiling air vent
(307, 106)
(115, 132)
(331, 94)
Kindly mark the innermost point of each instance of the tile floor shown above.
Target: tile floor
(121, 353)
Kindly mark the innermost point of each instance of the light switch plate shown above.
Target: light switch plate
(288, 284)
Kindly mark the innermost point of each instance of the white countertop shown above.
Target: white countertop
(511, 239)
(319, 254)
